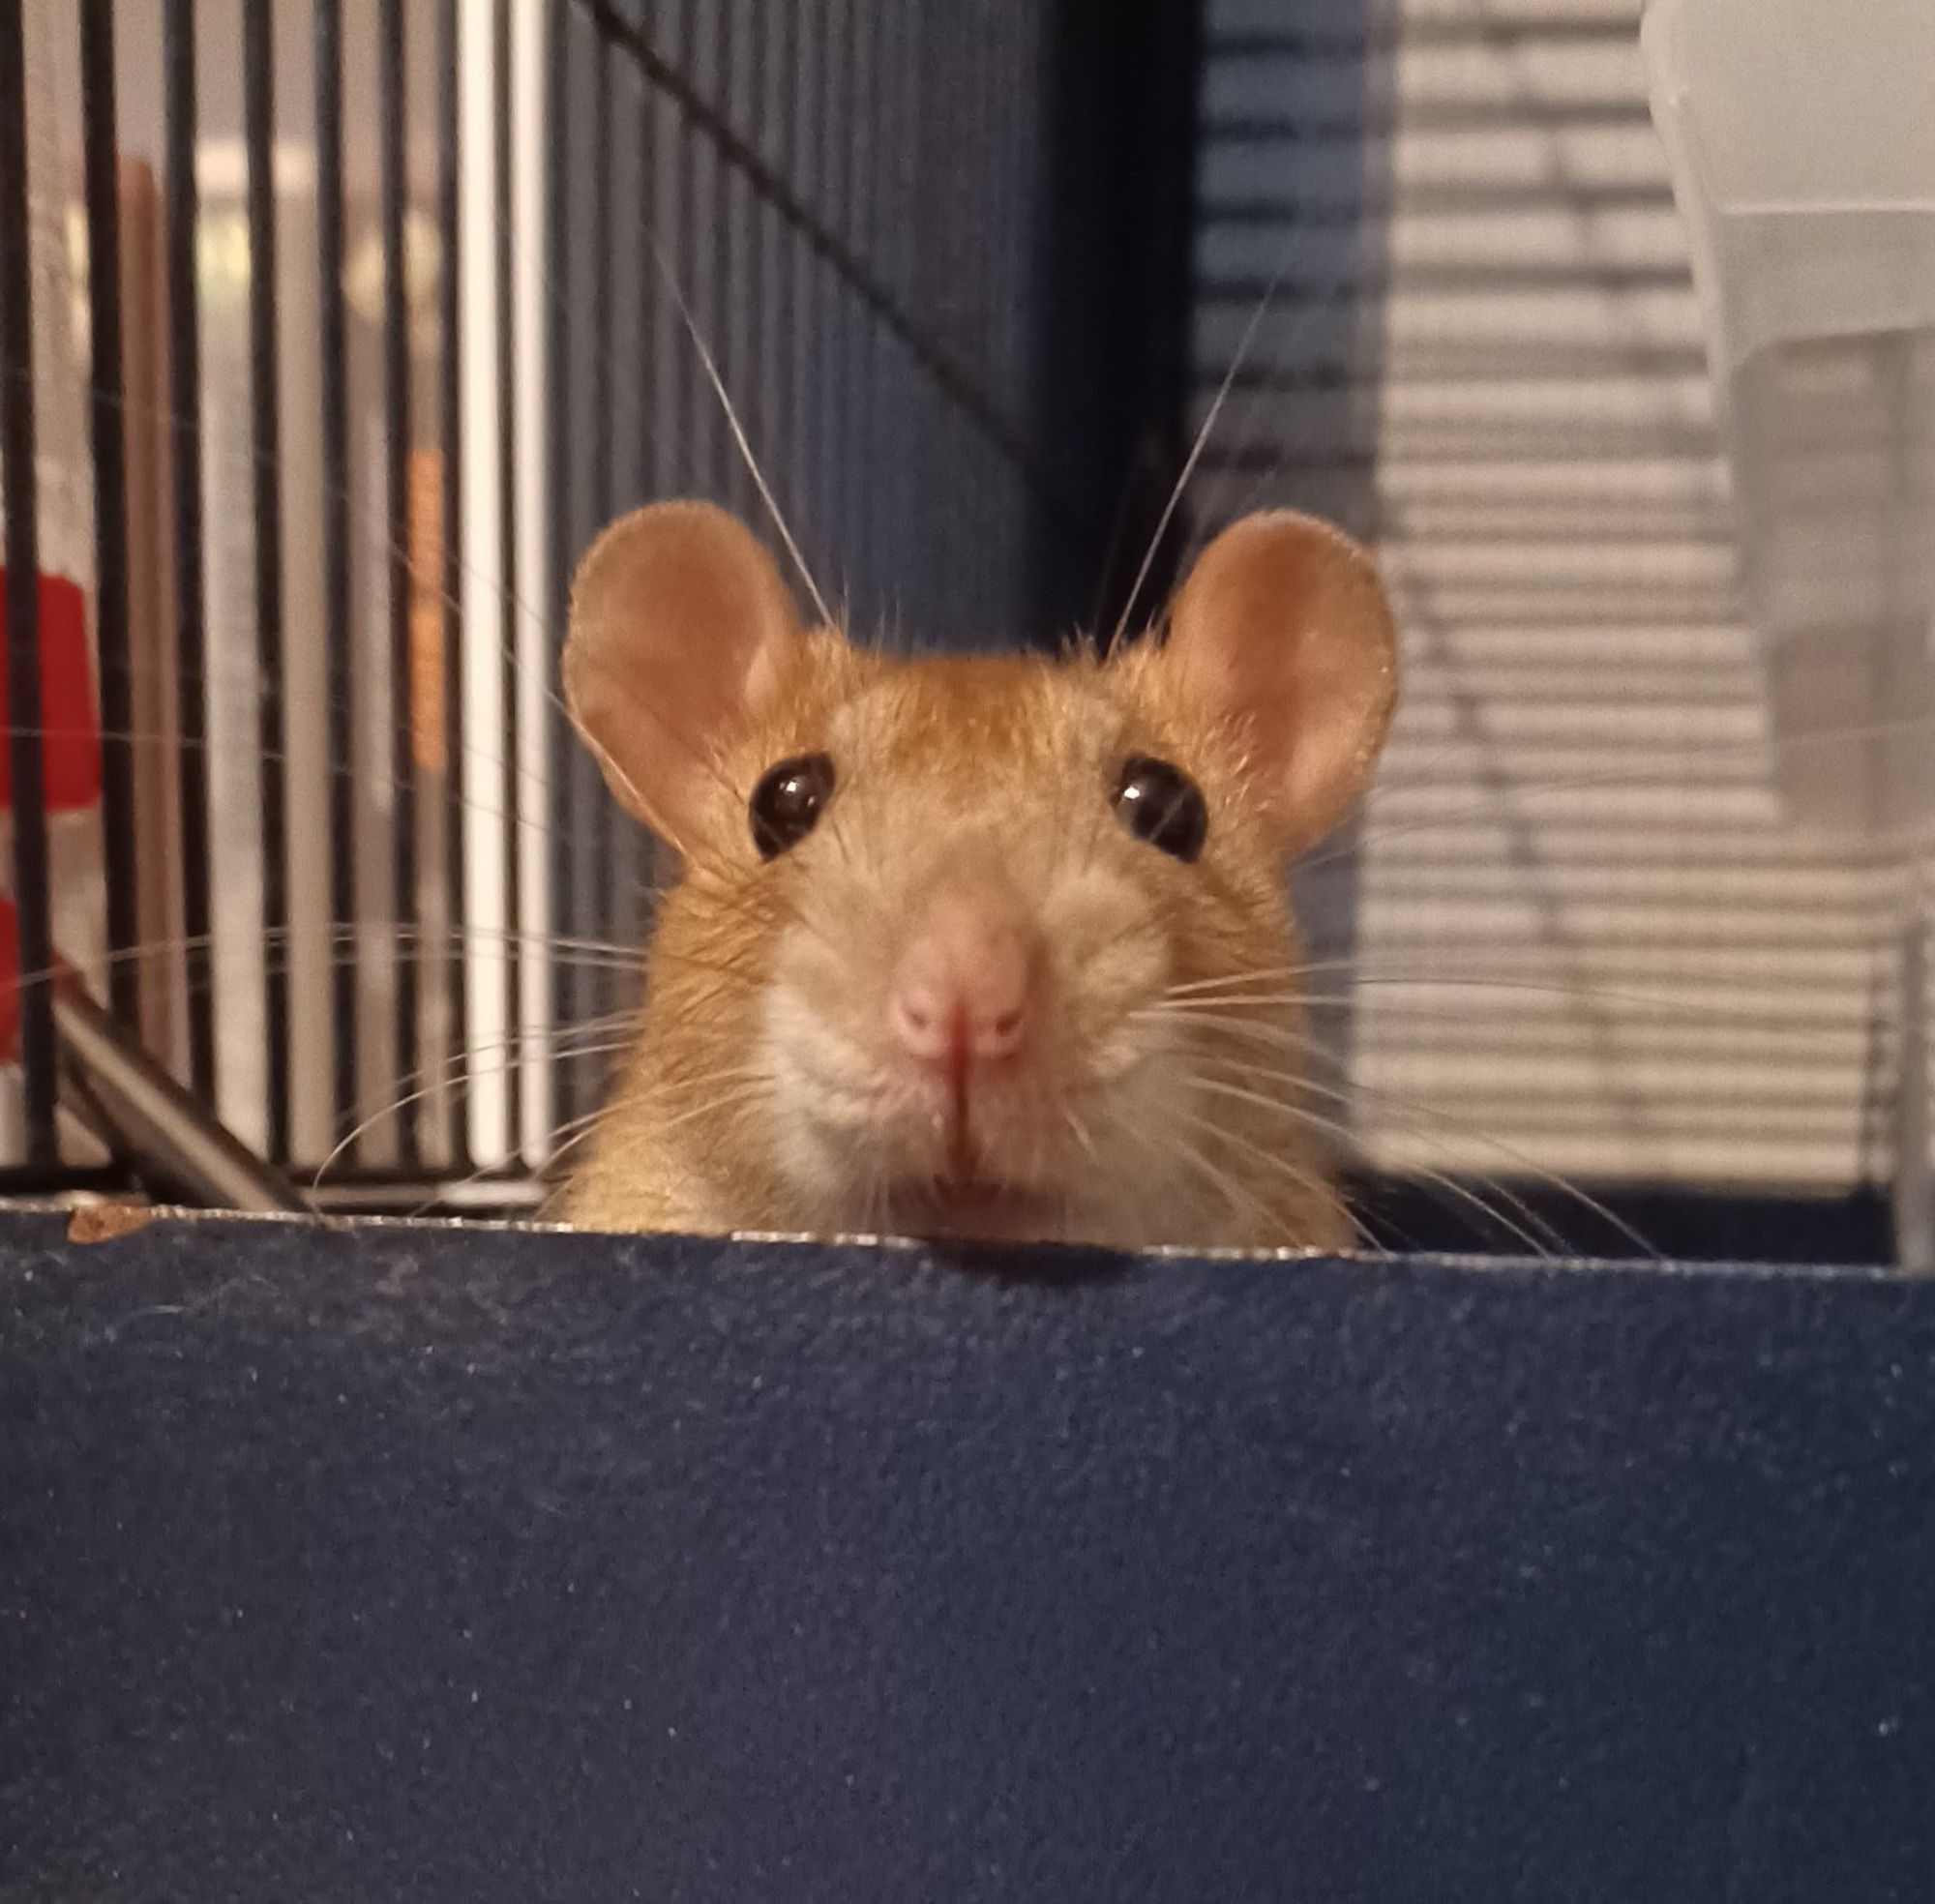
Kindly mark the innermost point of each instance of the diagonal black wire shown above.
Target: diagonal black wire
(947, 376)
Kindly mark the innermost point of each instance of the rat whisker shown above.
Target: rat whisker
(1424, 1114)
(1288, 1168)
(446, 1072)
(740, 437)
(1283, 1039)
(242, 458)
(745, 1088)
(1767, 1025)
(1254, 976)
(1203, 433)
(327, 770)
(837, 833)
(746, 1084)
(591, 1125)
(723, 883)
(760, 913)
(1083, 1136)
(1536, 1234)
(343, 940)
(1241, 1200)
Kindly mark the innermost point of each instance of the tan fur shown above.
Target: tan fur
(752, 1100)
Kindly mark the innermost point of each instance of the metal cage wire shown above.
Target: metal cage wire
(380, 310)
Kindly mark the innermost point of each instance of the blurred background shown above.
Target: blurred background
(332, 329)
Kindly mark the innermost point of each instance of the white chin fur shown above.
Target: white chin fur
(1115, 1173)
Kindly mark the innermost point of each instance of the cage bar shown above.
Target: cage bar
(488, 920)
(593, 994)
(178, 56)
(394, 191)
(20, 488)
(338, 629)
(533, 653)
(450, 529)
(108, 443)
(506, 475)
(957, 385)
(568, 976)
(258, 106)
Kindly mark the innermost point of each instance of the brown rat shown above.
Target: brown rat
(992, 945)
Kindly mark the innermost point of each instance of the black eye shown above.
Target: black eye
(786, 802)
(1161, 804)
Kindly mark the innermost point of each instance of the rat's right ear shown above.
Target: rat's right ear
(678, 621)
(1283, 631)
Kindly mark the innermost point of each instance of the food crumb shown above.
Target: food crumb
(102, 1223)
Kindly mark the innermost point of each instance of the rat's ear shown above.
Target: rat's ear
(1283, 630)
(678, 622)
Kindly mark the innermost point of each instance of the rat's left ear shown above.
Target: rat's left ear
(1283, 630)
(679, 625)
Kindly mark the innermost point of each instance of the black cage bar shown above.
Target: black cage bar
(19, 482)
(184, 350)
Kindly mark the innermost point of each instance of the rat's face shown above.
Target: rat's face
(979, 884)
(947, 926)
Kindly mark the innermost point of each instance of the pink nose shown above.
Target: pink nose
(964, 988)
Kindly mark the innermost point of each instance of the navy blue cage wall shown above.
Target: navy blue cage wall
(403, 1561)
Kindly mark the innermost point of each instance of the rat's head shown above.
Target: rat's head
(950, 934)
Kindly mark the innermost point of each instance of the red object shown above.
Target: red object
(70, 734)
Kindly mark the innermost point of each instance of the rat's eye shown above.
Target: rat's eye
(786, 802)
(1161, 804)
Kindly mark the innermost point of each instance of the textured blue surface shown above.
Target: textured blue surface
(401, 1563)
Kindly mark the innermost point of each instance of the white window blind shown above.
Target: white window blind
(1588, 940)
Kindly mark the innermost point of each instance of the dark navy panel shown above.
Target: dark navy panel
(474, 1565)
